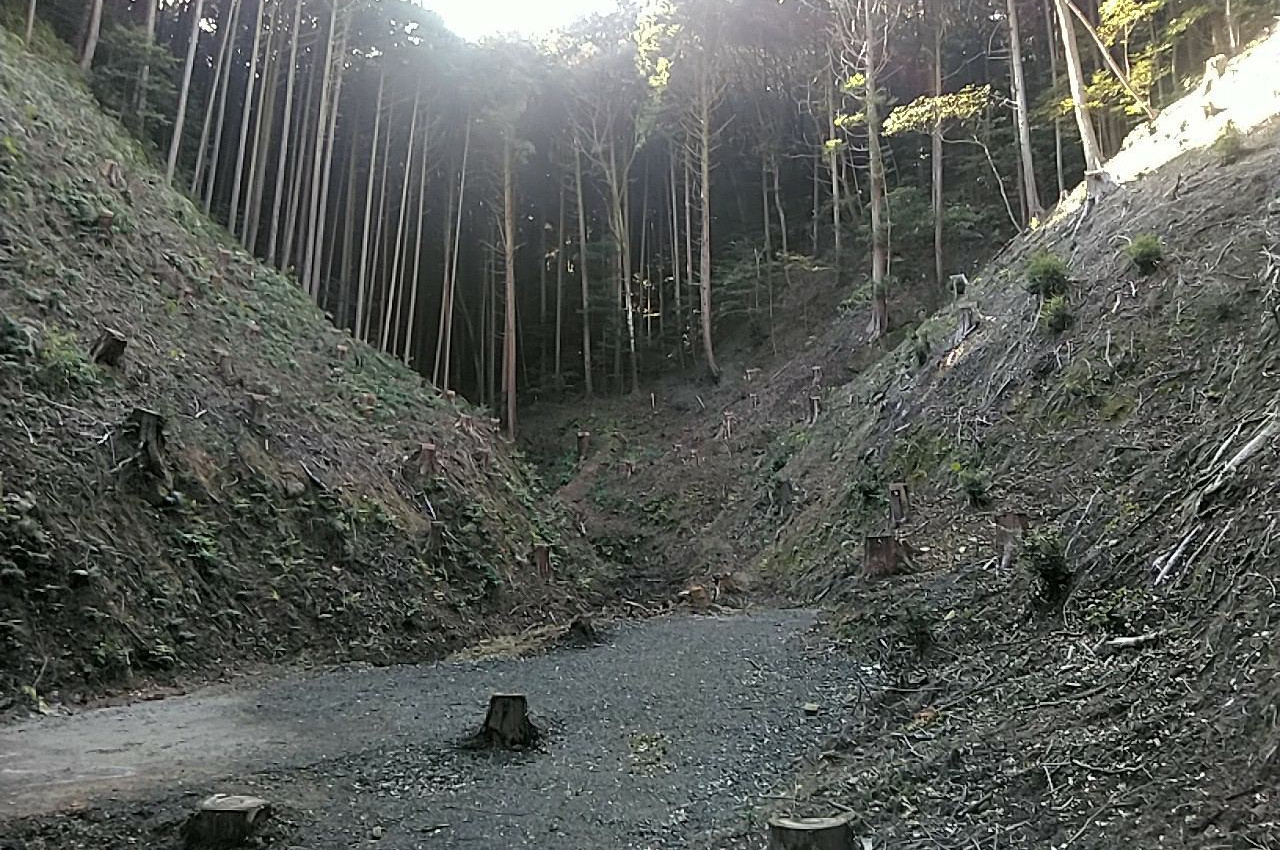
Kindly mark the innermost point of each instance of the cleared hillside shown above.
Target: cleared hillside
(247, 485)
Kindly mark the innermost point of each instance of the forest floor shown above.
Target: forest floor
(669, 733)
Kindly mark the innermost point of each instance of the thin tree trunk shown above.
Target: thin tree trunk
(175, 142)
(676, 280)
(326, 175)
(95, 28)
(1032, 195)
(277, 196)
(246, 110)
(363, 281)
(262, 125)
(444, 341)
(1057, 119)
(688, 232)
(350, 218)
(379, 225)
(704, 272)
(417, 251)
(936, 163)
(833, 160)
(296, 180)
(560, 243)
(509, 261)
(207, 169)
(311, 235)
(782, 221)
(31, 23)
(622, 236)
(879, 226)
(1075, 74)
(144, 75)
(582, 267)
(394, 289)
(766, 220)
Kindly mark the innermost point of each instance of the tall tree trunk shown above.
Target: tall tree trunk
(444, 341)
(936, 163)
(617, 179)
(95, 28)
(1110, 60)
(379, 223)
(766, 220)
(144, 75)
(393, 294)
(30, 29)
(365, 276)
(704, 271)
(412, 322)
(688, 235)
(582, 268)
(246, 111)
(184, 92)
(207, 169)
(323, 134)
(833, 163)
(560, 243)
(349, 219)
(781, 209)
(1075, 74)
(262, 125)
(1032, 195)
(879, 227)
(676, 280)
(509, 261)
(1057, 119)
(292, 218)
(282, 162)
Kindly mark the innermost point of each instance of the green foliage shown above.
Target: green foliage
(86, 207)
(926, 112)
(975, 483)
(63, 367)
(1146, 252)
(1056, 315)
(123, 53)
(1046, 275)
(1230, 146)
(1044, 559)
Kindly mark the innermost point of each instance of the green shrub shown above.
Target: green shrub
(1044, 558)
(1046, 275)
(1146, 252)
(1229, 146)
(62, 365)
(1056, 315)
(975, 484)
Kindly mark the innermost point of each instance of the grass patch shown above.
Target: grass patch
(1146, 252)
(1046, 275)
(1056, 315)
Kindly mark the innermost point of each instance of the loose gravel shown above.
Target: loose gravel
(672, 731)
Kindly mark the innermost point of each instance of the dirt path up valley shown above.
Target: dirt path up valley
(671, 731)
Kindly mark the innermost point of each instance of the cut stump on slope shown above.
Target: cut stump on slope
(225, 820)
(506, 725)
(787, 833)
(109, 347)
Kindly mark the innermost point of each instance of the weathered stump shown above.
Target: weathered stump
(106, 220)
(899, 503)
(967, 323)
(815, 407)
(883, 557)
(581, 632)
(752, 374)
(428, 463)
(225, 820)
(507, 725)
(1010, 529)
(817, 374)
(810, 833)
(109, 347)
(584, 444)
(755, 400)
(542, 559)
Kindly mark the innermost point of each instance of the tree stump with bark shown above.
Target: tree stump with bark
(507, 725)
(584, 444)
(225, 820)
(542, 559)
(1010, 529)
(787, 833)
(966, 323)
(109, 347)
(884, 556)
(815, 407)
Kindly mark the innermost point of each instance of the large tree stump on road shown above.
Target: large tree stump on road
(810, 833)
(507, 725)
(225, 820)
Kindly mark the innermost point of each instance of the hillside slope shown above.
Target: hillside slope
(247, 485)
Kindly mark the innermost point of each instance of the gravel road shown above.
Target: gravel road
(670, 731)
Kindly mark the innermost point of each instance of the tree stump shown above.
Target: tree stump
(966, 324)
(507, 725)
(883, 557)
(427, 462)
(817, 374)
(584, 444)
(106, 218)
(147, 428)
(109, 347)
(542, 559)
(225, 820)
(755, 400)
(899, 503)
(751, 374)
(1010, 528)
(815, 407)
(581, 632)
(450, 395)
(810, 833)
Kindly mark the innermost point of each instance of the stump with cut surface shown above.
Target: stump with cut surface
(810, 833)
(883, 557)
(507, 725)
(226, 820)
(109, 347)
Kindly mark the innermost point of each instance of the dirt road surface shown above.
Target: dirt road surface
(671, 732)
